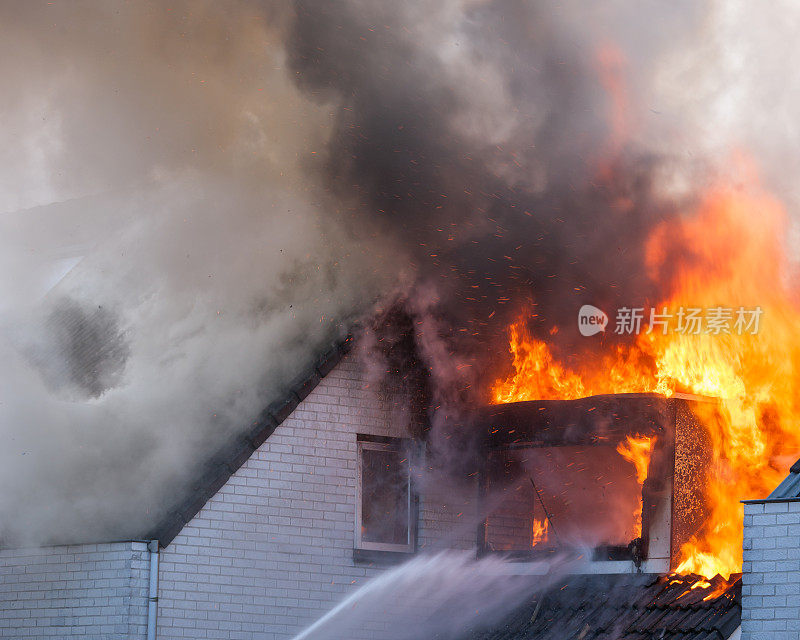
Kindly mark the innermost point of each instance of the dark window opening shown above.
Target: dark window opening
(385, 514)
(541, 498)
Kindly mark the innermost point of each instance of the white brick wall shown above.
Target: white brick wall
(771, 571)
(87, 591)
(448, 516)
(273, 550)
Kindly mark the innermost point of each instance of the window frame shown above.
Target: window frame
(399, 445)
(598, 553)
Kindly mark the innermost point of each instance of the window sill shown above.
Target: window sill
(381, 558)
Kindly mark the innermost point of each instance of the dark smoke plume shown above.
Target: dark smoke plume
(480, 138)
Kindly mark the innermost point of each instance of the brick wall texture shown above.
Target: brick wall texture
(88, 591)
(771, 571)
(273, 550)
(269, 554)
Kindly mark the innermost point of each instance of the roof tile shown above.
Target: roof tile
(626, 607)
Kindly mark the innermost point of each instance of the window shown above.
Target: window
(543, 497)
(385, 514)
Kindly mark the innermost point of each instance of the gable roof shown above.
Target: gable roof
(626, 607)
(216, 471)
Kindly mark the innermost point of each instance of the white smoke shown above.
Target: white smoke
(186, 272)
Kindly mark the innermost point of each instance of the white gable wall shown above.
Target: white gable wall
(273, 549)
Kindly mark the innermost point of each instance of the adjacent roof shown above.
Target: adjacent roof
(627, 607)
(790, 487)
(213, 475)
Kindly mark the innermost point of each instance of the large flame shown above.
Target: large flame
(637, 450)
(726, 254)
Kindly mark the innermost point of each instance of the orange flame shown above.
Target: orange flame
(727, 254)
(538, 375)
(637, 450)
(539, 531)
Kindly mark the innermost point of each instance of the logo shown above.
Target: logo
(591, 320)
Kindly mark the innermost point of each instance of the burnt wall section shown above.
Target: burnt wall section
(393, 348)
(693, 462)
(603, 418)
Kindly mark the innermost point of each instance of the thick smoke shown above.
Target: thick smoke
(484, 137)
(523, 152)
(187, 270)
(199, 195)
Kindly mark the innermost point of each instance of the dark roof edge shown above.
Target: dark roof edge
(227, 461)
(770, 500)
(79, 543)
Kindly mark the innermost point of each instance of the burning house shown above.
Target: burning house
(288, 320)
(329, 489)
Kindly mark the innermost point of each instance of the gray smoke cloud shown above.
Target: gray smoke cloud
(198, 195)
(185, 271)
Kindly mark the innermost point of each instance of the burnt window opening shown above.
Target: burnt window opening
(567, 474)
(385, 513)
(542, 498)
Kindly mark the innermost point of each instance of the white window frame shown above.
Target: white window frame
(396, 444)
